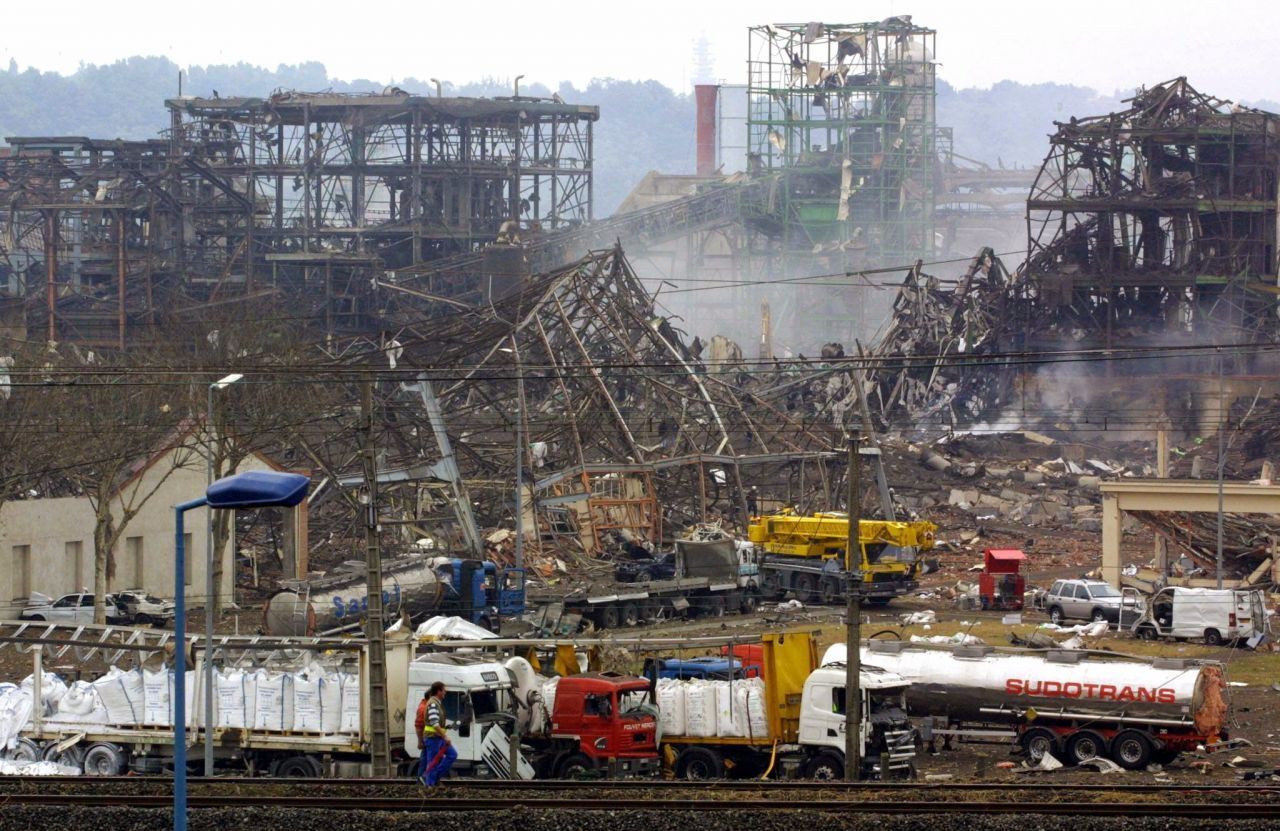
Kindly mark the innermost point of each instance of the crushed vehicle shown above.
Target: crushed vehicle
(1215, 616)
(646, 569)
(71, 608)
(141, 608)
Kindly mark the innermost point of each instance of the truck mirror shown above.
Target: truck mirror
(468, 713)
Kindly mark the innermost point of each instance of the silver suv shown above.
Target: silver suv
(1083, 600)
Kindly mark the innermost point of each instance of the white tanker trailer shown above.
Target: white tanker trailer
(1072, 704)
(476, 590)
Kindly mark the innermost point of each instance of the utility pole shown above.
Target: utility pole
(379, 733)
(1222, 459)
(853, 618)
(520, 442)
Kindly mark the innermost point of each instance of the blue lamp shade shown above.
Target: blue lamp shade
(258, 489)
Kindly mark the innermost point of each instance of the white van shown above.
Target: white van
(1214, 615)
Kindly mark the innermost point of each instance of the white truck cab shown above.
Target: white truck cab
(478, 706)
(1214, 615)
(885, 728)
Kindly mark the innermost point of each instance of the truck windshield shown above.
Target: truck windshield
(633, 701)
(885, 553)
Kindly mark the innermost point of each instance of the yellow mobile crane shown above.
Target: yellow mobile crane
(805, 553)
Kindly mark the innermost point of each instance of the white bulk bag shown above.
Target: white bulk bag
(274, 707)
(237, 699)
(749, 696)
(122, 695)
(307, 706)
(80, 701)
(700, 709)
(350, 721)
(15, 712)
(331, 703)
(671, 706)
(731, 715)
(157, 697)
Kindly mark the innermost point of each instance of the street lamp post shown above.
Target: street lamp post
(254, 489)
(208, 575)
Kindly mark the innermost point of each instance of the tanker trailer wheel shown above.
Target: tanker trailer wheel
(630, 614)
(1085, 745)
(1039, 742)
(1212, 637)
(826, 767)
(1055, 615)
(103, 759)
(698, 764)
(830, 590)
(1131, 749)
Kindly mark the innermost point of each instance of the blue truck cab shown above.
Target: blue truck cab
(707, 667)
(486, 593)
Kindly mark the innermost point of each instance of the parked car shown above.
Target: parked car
(1088, 600)
(70, 608)
(141, 608)
(646, 569)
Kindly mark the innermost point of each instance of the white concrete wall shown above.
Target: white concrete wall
(48, 525)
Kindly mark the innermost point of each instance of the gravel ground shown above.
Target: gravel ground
(133, 819)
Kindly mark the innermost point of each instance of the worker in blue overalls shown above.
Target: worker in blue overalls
(437, 754)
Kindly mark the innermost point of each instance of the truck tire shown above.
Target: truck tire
(296, 767)
(104, 759)
(1055, 615)
(1131, 749)
(712, 606)
(806, 588)
(698, 764)
(1039, 742)
(1146, 632)
(826, 766)
(772, 586)
(72, 757)
(750, 600)
(1212, 637)
(830, 590)
(651, 610)
(1084, 745)
(630, 614)
(574, 766)
(24, 750)
(607, 617)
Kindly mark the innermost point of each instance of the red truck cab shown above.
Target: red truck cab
(607, 722)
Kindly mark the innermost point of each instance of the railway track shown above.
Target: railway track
(466, 786)
(426, 804)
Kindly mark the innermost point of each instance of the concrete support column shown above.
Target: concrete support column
(1112, 529)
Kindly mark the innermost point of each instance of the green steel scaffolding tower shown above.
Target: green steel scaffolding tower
(846, 112)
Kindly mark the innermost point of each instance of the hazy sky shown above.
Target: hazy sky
(1105, 45)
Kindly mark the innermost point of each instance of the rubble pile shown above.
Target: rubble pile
(928, 368)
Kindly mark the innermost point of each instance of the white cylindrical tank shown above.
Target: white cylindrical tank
(334, 601)
(968, 684)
